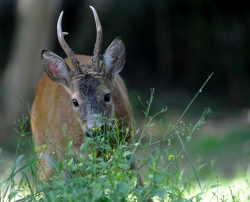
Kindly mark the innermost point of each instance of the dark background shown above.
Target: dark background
(171, 45)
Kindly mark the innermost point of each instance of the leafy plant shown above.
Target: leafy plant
(101, 171)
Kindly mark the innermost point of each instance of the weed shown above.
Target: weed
(101, 170)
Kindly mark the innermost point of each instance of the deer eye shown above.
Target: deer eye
(107, 97)
(75, 102)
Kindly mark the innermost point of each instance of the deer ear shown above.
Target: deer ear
(56, 68)
(114, 57)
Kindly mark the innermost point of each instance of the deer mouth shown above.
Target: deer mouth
(95, 132)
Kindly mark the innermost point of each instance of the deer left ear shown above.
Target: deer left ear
(56, 68)
(114, 57)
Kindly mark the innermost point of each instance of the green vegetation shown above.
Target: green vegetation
(101, 171)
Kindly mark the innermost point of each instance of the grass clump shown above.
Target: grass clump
(101, 170)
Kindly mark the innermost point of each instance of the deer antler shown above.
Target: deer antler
(98, 43)
(71, 55)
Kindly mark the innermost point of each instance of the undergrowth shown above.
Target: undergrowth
(101, 171)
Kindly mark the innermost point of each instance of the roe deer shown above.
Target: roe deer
(75, 90)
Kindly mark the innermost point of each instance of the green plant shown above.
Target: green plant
(101, 170)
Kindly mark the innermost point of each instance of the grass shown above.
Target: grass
(100, 172)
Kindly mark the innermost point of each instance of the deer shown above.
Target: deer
(76, 89)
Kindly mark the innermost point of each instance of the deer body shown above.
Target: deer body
(47, 124)
(73, 91)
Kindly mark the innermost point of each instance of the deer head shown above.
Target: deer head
(89, 86)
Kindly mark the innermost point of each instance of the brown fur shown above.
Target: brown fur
(52, 108)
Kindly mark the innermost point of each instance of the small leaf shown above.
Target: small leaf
(12, 195)
(85, 145)
(215, 185)
(97, 116)
(52, 161)
(124, 166)
(150, 125)
(126, 153)
(137, 144)
(160, 192)
(70, 143)
(201, 166)
(40, 156)
(60, 166)
(16, 163)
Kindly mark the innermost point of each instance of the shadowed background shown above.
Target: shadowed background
(171, 45)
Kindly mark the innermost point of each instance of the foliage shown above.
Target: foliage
(101, 170)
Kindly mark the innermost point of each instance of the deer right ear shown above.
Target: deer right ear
(56, 68)
(114, 57)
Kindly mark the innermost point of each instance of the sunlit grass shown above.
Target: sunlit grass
(214, 187)
(232, 189)
(101, 172)
(236, 189)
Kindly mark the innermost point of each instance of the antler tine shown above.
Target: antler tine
(71, 55)
(98, 43)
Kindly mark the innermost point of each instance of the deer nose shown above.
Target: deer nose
(95, 131)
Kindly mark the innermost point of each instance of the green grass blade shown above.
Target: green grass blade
(16, 164)
(55, 164)
(13, 173)
(6, 190)
(200, 90)
(189, 159)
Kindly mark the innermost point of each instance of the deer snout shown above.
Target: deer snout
(95, 126)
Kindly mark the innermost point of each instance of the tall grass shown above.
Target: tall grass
(101, 171)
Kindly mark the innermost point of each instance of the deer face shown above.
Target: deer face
(92, 101)
(91, 92)
(90, 87)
